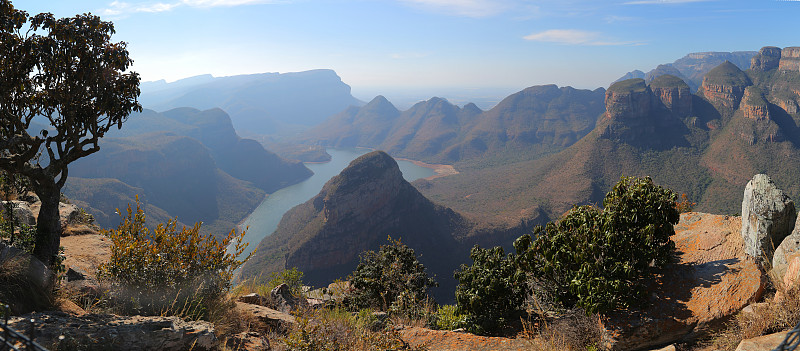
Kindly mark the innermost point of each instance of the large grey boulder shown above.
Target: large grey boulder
(768, 216)
(21, 210)
(110, 332)
(27, 279)
(284, 300)
(788, 249)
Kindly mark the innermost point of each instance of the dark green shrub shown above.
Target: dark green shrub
(600, 259)
(390, 279)
(491, 291)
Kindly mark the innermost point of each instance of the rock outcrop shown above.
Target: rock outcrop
(628, 110)
(790, 59)
(674, 93)
(26, 282)
(754, 105)
(768, 58)
(284, 300)
(21, 211)
(713, 279)
(768, 216)
(641, 116)
(724, 85)
(269, 318)
(442, 340)
(762, 343)
(62, 331)
(788, 249)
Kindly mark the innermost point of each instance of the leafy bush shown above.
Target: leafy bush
(448, 318)
(169, 271)
(390, 279)
(600, 259)
(491, 291)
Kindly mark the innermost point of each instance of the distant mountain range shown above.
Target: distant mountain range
(706, 145)
(535, 120)
(267, 103)
(183, 162)
(547, 148)
(693, 67)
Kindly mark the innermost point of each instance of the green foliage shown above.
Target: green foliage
(448, 318)
(167, 269)
(491, 291)
(68, 72)
(390, 279)
(600, 259)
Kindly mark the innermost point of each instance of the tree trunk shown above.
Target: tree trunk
(48, 225)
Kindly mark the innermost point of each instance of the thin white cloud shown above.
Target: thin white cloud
(117, 8)
(575, 37)
(663, 2)
(467, 8)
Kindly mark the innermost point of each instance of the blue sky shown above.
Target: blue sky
(425, 45)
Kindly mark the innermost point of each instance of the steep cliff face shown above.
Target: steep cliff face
(674, 93)
(790, 59)
(724, 85)
(767, 58)
(754, 105)
(356, 211)
(628, 111)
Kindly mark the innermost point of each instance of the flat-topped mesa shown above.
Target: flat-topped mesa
(768, 58)
(627, 100)
(790, 59)
(754, 105)
(629, 106)
(724, 85)
(674, 93)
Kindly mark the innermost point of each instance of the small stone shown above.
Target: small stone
(73, 275)
(254, 299)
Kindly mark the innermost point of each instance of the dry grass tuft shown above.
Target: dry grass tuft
(338, 329)
(18, 290)
(571, 330)
(777, 313)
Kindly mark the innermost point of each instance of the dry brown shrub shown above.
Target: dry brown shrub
(571, 330)
(337, 329)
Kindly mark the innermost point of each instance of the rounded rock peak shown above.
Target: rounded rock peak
(668, 81)
(727, 74)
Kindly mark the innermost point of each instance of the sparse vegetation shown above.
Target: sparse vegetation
(338, 329)
(778, 313)
(166, 271)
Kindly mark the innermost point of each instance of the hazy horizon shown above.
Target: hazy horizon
(431, 45)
